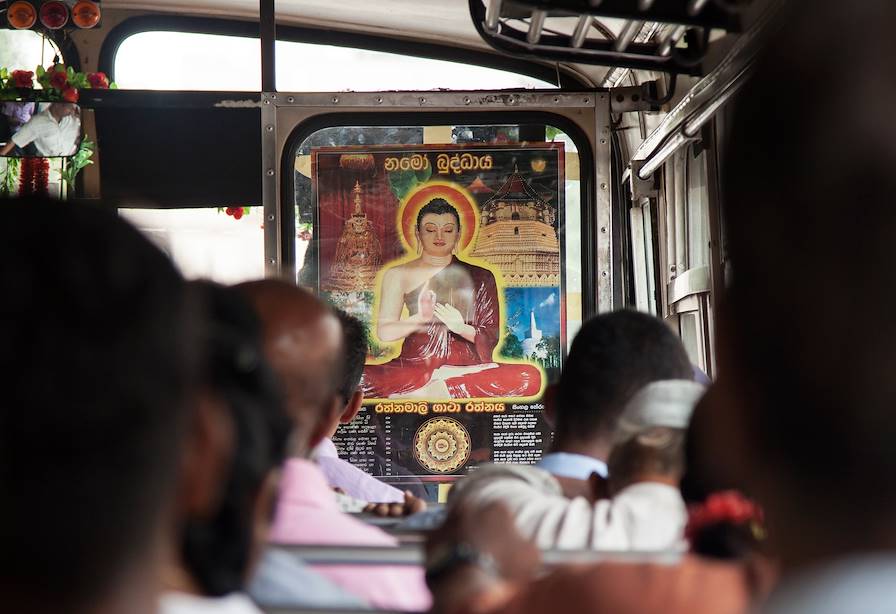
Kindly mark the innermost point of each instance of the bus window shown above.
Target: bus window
(25, 50)
(159, 60)
(501, 205)
(223, 246)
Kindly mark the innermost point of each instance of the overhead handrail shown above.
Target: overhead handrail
(683, 123)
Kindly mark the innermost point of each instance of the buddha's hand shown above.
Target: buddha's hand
(450, 317)
(426, 304)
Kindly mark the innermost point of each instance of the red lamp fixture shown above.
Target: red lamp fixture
(21, 15)
(52, 14)
(86, 14)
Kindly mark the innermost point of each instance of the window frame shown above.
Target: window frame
(354, 40)
(404, 117)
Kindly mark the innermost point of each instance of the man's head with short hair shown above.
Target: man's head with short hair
(354, 354)
(97, 363)
(612, 357)
(303, 342)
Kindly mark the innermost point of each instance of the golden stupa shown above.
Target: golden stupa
(358, 253)
(517, 235)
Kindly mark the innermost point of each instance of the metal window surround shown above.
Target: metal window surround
(284, 112)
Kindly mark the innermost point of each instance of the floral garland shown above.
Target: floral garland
(58, 82)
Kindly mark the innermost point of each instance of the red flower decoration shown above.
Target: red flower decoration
(238, 213)
(58, 78)
(98, 80)
(23, 78)
(727, 507)
(70, 94)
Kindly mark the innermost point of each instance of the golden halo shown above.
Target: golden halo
(456, 195)
(442, 445)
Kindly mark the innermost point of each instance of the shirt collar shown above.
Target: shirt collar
(571, 465)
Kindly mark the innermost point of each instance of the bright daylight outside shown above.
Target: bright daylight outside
(229, 246)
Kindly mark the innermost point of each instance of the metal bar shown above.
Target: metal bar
(581, 32)
(536, 25)
(510, 99)
(693, 124)
(267, 32)
(413, 555)
(671, 40)
(605, 300)
(695, 6)
(270, 186)
(492, 14)
(656, 160)
(627, 35)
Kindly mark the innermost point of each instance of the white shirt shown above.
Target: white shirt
(182, 603)
(571, 465)
(646, 516)
(50, 138)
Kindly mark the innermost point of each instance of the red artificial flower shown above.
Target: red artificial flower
(58, 78)
(70, 94)
(98, 80)
(727, 507)
(229, 210)
(238, 213)
(23, 78)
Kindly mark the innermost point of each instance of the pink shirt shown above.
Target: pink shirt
(307, 513)
(353, 481)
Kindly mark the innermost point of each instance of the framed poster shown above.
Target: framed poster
(450, 254)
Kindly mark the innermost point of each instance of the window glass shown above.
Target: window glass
(207, 243)
(458, 247)
(25, 50)
(191, 61)
(697, 210)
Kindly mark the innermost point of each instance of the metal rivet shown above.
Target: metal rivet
(603, 229)
(272, 260)
(273, 96)
(603, 141)
(271, 217)
(586, 100)
(673, 268)
(335, 99)
(269, 128)
(291, 99)
(270, 172)
(267, 102)
(379, 99)
(422, 100)
(603, 273)
(556, 99)
(603, 186)
(511, 100)
(467, 100)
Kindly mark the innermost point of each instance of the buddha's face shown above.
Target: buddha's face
(438, 234)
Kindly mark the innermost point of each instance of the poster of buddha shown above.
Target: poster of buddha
(446, 312)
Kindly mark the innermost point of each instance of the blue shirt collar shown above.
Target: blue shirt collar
(569, 465)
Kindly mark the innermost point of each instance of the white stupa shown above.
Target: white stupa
(530, 343)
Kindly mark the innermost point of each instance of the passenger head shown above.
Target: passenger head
(97, 364)
(655, 454)
(612, 357)
(221, 539)
(808, 339)
(354, 349)
(303, 343)
(438, 228)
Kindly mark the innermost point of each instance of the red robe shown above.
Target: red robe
(473, 292)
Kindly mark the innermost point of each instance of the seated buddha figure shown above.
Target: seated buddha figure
(452, 324)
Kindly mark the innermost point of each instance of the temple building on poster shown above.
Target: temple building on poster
(517, 235)
(358, 252)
